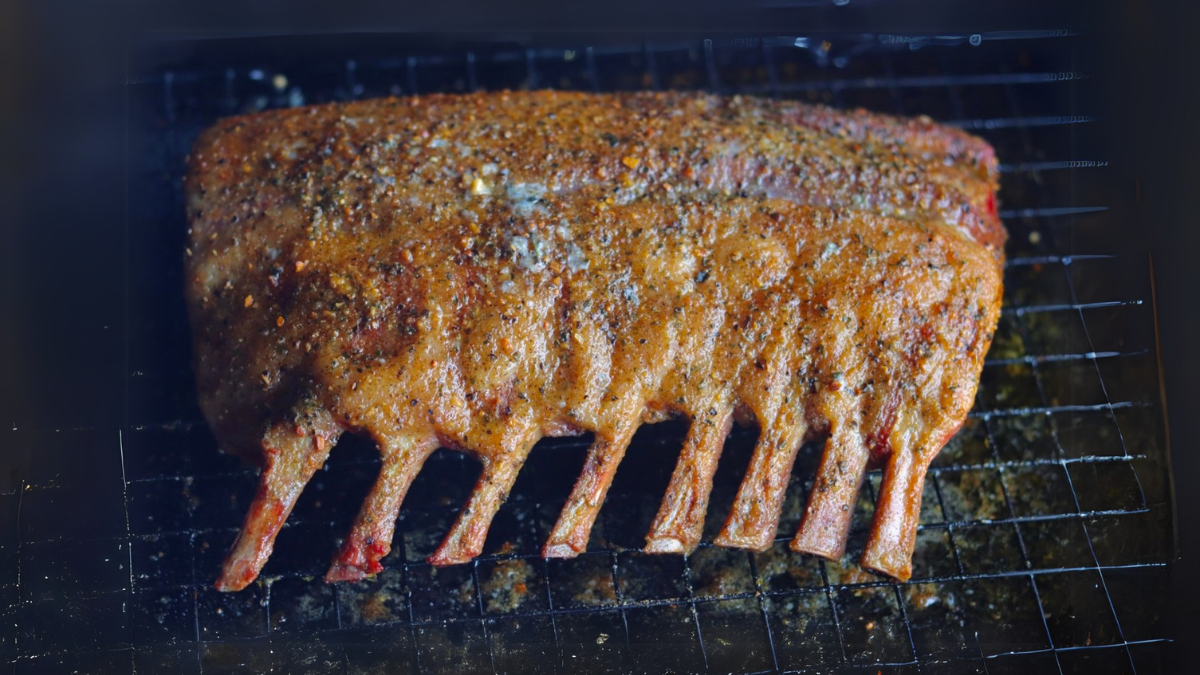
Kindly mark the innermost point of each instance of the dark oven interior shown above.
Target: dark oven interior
(1046, 523)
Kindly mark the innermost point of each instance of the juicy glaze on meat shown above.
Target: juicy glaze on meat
(479, 271)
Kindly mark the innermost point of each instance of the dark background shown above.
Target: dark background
(64, 67)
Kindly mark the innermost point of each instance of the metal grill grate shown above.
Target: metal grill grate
(1044, 522)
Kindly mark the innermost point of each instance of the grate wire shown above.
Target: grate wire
(1014, 102)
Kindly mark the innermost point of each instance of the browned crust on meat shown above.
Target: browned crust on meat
(480, 271)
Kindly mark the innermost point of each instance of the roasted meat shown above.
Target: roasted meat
(477, 272)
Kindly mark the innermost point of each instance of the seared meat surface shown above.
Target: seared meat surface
(477, 272)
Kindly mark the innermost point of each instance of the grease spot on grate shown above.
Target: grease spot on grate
(733, 641)
(454, 648)
(523, 645)
(305, 605)
(440, 594)
(803, 628)
(664, 638)
(972, 494)
(988, 549)
(1024, 438)
(593, 640)
(586, 581)
(780, 569)
(720, 572)
(514, 585)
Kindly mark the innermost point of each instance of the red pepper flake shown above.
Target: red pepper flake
(249, 300)
(279, 321)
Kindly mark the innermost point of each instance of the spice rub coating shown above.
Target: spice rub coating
(478, 272)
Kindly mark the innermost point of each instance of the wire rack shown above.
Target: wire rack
(1045, 529)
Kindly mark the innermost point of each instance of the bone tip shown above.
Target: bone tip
(235, 577)
(339, 572)
(227, 586)
(827, 552)
(897, 567)
(443, 557)
(559, 551)
(664, 545)
(742, 541)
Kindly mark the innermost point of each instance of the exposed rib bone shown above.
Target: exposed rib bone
(570, 535)
(893, 533)
(370, 538)
(756, 509)
(680, 521)
(465, 540)
(293, 451)
(831, 503)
